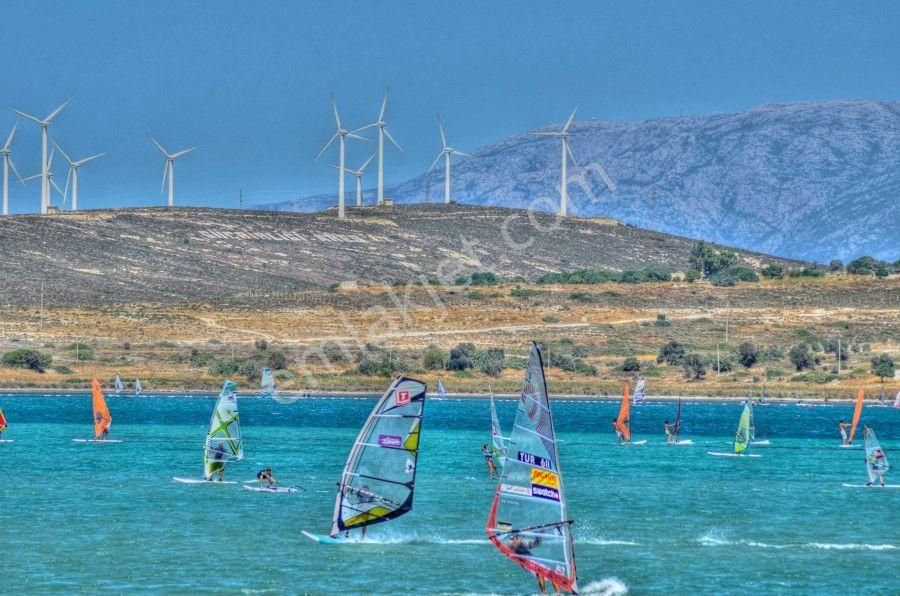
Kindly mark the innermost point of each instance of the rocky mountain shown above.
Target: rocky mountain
(814, 181)
(92, 258)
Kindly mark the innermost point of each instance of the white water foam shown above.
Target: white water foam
(603, 542)
(714, 539)
(827, 546)
(608, 586)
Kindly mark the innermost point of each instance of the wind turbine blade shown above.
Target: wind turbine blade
(56, 186)
(165, 173)
(388, 135)
(362, 168)
(569, 121)
(87, 159)
(353, 136)
(335, 166)
(443, 138)
(180, 153)
(366, 127)
(13, 166)
(546, 134)
(569, 151)
(337, 119)
(50, 159)
(158, 146)
(605, 177)
(53, 114)
(327, 145)
(24, 180)
(58, 148)
(460, 153)
(12, 133)
(435, 161)
(29, 116)
(383, 106)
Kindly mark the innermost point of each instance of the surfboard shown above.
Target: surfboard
(97, 441)
(685, 442)
(270, 489)
(7, 440)
(850, 446)
(717, 454)
(763, 442)
(327, 539)
(201, 481)
(643, 442)
(870, 486)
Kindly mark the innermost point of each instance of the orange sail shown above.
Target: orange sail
(623, 422)
(102, 417)
(856, 412)
(2, 421)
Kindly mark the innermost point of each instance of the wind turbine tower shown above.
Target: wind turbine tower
(359, 174)
(446, 152)
(341, 133)
(45, 167)
(6, 152)
(169, 170)
(382, 132)
(72, 176)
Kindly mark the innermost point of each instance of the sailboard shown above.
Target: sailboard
(379, 478)
(498, 442)
(3, 426)
(138, 388)
(223, 440)
(640, 393)
(857, 411)
(119, 385)
(529, 519)
(441, 391)
(267, 383)
(271, 489)
(623, 422)
(102, 416)
(876, 460)
(741, 437)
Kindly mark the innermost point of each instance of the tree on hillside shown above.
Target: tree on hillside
(671, 353)
(836, 265)
(801, 357)
(694, 366)
(883, 366)
(28, 359)
(631, 364)
(705, 258)
(748, 354)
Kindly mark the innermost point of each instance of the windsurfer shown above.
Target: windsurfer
(266, 475)
(363, 496)
(620, 436)
(218, 466)
(488, 454)
(670, 429)
(875, 463)
(844, 426)
(518, 545)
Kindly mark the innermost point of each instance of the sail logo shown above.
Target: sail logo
(534, 460)
(544, 492)
(544, 478)
(389, 441)
(515, 490)
(402, 397)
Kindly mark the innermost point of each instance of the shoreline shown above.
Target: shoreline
(298, 396)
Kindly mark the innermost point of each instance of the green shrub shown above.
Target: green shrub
(581, 296)
(692, 275)
(550, 319)
(492, 369)
(742, 273)
(862, 266)
(694, 366)
(801, 357)
(883, 366)
(27, 359)
(662, 321)
(747, 354)
(485, 278)
(224, 367)
(434, 358)
(81, 351)
(631, 364)
(524, 293)
(773, 271)
(819, 377)
(63, 370)
(277, 360)
(836, 265)
(671, 353)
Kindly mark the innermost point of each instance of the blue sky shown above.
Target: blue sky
(250, 82)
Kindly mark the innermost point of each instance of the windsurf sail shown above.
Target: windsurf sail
(677, 426)
(102, 417)
(897, 400)
(223, 441)
(623, 420)
(639, 392)
(529, 519)
(267, 384)
(2, 421)
(138, 388)
(752, 429)
(742, 437)
(119, 385)
(441, 391)
(857, 410)
(379, 478)
(876, 461)
(497, 441)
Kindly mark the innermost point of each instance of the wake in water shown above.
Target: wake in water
(715, 539)
(609, 586)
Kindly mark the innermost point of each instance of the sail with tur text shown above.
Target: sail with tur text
(529, 520)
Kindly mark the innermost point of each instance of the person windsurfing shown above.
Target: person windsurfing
(488, 454)
(518, 545)
(670, 430)
(218, 465)
(876, 462)
(363, 497)
(843, 426)
(620, 436)
(266, 475)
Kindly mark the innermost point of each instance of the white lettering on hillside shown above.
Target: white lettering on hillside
(274, 236)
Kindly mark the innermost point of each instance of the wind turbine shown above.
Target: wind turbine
(359, 174)
(45, 166)
(48, 173)
(382, 132)
(169, 169)
(6, 152)
(340, 134)
(73, 173)
(446, 152)
(566, 154)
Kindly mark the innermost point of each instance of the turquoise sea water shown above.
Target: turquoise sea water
(660, 519)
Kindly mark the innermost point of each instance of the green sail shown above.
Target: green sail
(223, 441)
(742, 437)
